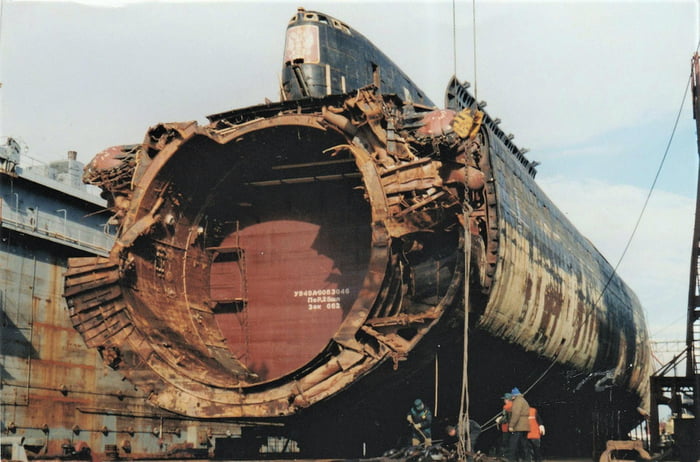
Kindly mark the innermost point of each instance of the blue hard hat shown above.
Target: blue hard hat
(418, 404)
(515, 391)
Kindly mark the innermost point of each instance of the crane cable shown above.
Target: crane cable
(490, 423)
(651, 188)
(474, 43)
(454, 39)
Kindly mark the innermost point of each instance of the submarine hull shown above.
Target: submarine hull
(308, 263)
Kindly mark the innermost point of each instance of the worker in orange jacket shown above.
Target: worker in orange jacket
(535, 434)
(502, 421)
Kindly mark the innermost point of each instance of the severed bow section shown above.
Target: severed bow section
(270, 259)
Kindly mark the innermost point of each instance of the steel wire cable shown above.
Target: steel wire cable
(651, 190)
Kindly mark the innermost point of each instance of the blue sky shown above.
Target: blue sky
(591, 88)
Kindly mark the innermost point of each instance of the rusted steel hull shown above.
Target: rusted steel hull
(310, 262)
(553, 293)
(306, 259)
(312, 295)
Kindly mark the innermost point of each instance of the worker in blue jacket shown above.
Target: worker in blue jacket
(420, 418)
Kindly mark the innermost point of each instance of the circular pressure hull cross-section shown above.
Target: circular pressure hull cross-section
(265, 265)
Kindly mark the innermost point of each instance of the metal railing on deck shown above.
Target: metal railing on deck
(58, 226)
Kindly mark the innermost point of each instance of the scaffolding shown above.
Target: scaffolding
(682, 393)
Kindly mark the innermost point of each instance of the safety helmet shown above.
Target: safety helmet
(418, 404)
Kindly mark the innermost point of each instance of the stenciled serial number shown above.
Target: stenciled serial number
(318, 292)
(319, 299)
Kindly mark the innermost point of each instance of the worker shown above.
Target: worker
(502, 421)
(420, 419)
(535, 434)
(451, 439)
(518, 426)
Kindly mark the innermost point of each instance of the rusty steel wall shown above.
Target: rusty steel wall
(54, 390)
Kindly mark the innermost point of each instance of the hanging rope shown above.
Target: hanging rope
(465, 444)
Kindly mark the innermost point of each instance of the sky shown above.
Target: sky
(593, 89)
